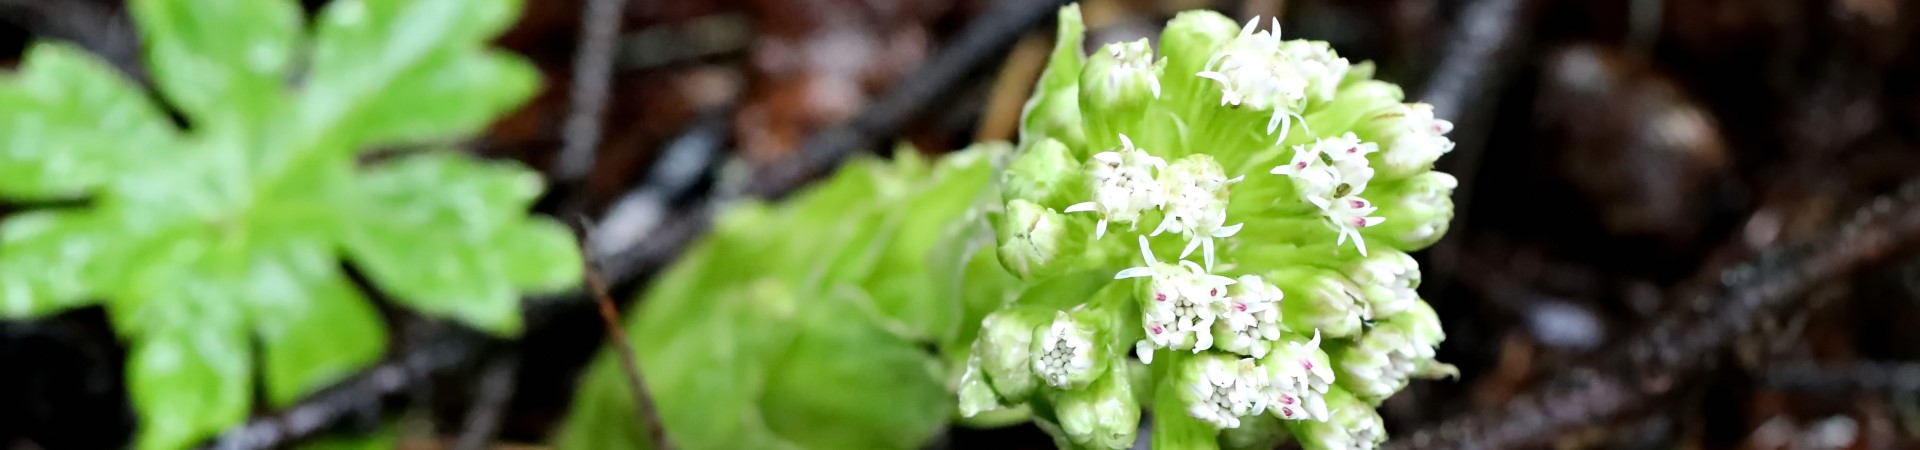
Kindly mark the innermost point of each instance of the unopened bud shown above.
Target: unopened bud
(1120, 80)
(976, 396)
(1319, 299)
(1046, 174)
(1387, 279)
(1004, 349)
(1036, 241)
(1256, 432)
(1104, 415)
(1379, 364)
(1054, 109)
(1188, 42)
(1417, 211)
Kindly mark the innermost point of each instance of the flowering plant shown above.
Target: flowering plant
(1249, 203)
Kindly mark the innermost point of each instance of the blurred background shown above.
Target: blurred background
(1615, 157)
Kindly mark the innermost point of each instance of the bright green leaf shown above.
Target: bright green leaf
(224, 239)
(188, 382)
(221, 61)
(52, 115)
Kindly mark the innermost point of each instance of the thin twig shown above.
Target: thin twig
(491, 396)
(1650, 365)
(636, 383)
(592, 74)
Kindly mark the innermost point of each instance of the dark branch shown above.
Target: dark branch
(985, 39)
(592, 73)
(1651, 364)
(491, 397)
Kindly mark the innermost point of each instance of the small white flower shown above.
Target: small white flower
(1196, 205)
(1124, 186)
(1254, 71)
(1250, 323)
(1226, 390)
(1349, 215)
(1184, 301)
(1134, 60)
(1066, 353)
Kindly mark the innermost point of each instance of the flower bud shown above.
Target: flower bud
(1387, 279)
(1047, 174)
(1004, 349)
(1319, 299)
(1188, 41)
(1352, 425)
(976, 396)
(1256, 432)
(1054, 109)
(1104, 415)
(1411, 139)
(1036, 242)
(1118, 83)
(1067, 353)
(1298, 374)
(1377, 365)
(1417, 212)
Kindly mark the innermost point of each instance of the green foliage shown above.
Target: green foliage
(804, 326)
(209, 241)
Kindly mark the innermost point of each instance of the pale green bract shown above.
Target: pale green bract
(809, 325)
(217, 248)
(1253, 200)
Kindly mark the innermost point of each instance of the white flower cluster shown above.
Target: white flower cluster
(1300, 381)
(1292, 385)
(1331, 174)
(1250, 323)
(1259, 71)
(1192, 194)
(1226, 390)
(1186, 300)
(1124, 186)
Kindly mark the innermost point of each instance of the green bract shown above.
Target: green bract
(806, 325)
(1256, 199)
(207, 241)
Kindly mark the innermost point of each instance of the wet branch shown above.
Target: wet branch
(1651, 364)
